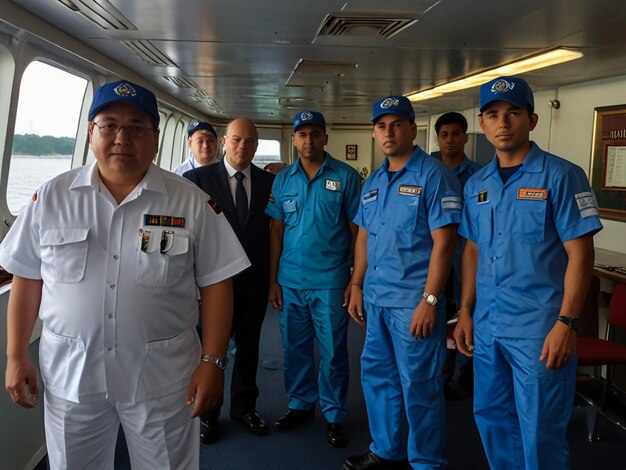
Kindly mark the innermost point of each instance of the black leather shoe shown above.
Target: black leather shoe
(294, 418)
(252, 420)
(371, 461)
(335, 436)
(209, 431)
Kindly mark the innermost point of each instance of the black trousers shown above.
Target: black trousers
(248, 315)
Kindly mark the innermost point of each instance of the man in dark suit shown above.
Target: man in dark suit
(241, 191)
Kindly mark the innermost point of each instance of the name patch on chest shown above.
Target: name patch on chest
(333, 185)
(483, 197)
(370, 196)
(163, 220)
(407, 190)
(536, 194)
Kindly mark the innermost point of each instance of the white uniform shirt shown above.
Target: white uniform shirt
(186, 166)
(119, 317)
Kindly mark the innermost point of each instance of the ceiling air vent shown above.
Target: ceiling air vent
(149, 53)
(181, 82)
(201, 96)
(383, 25)
(101, 13)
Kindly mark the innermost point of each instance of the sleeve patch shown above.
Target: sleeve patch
(451, 203)
(214, 206)
(586, 202)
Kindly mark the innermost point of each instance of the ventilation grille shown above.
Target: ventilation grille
(181, 82)
(100, 12)
(200, 96)
(149, 53)
(365, 24)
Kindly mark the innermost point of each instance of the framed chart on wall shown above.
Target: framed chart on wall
(608, 161)
(351, 152)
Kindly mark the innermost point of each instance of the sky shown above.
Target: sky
(49, 102)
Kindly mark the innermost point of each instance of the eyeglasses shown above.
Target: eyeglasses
(114, 129)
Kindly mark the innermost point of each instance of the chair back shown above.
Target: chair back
(589, 325)
(617, 307)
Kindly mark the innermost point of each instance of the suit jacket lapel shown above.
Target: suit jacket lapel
(227, 203)
(254, 189)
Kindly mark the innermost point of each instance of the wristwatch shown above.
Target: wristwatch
(572, 322)
(220, 361)
(431, 299)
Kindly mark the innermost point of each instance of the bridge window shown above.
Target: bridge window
(46, 125)
(268, 151)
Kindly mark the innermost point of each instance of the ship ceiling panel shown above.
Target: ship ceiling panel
(241, 53)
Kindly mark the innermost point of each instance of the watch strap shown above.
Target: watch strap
(219, 361)
(571, 322)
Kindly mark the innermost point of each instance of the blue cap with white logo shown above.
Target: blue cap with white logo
(204, 127)
(398, 105)
(308, 118)
(124, 91)
(513, 90)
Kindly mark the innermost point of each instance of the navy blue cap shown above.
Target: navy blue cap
(513, 90)
(398, 105)
(205, 127)
(124, 92)
(308, 118)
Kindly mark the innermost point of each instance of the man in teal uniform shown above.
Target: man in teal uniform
(311, 241)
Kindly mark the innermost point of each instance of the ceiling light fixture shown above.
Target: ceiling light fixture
(525, 64)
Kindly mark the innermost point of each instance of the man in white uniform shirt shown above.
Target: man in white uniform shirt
(202, 141)
(110, 257)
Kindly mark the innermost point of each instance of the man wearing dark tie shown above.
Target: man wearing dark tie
(241, 191)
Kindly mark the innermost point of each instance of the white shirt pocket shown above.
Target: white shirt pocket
(65, 251)
(62, 362)
(162, 258)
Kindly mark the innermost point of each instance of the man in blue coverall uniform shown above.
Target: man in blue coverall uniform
(451, 130)
(312, 204)
(529, 221)
(407, 233)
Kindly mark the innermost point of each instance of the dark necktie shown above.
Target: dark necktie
(241, 200)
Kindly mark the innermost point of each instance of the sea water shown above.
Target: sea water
(27, 173)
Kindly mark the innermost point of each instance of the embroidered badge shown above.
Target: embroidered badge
(483, 197)
(124, 89)
(408, 190)
(587, 205)
(532, 193)
(163, 220)
(370, 196)
(502, 86)
(306, 116)
(451, 203)
(214, 206)
(390, 103)
(333, 185)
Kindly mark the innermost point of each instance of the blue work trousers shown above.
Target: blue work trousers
(403, 387)
(521, 408)
(310, 314)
